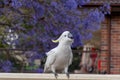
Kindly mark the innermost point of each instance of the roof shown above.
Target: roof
(115, 4)
(103, 1)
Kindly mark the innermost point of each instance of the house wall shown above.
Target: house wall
(110, 44)
(104, 56)
(115, 44)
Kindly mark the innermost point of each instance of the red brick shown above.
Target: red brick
(115, 45)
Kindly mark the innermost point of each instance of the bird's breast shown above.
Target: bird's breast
(62, 59)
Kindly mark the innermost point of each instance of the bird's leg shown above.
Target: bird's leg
(66, 72)
(53, 70)
(44, 69)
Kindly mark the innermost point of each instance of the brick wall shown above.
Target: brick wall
(104, 56)
(110, 43)
(115, 44)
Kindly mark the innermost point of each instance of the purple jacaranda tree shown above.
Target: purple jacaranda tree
(37, 22)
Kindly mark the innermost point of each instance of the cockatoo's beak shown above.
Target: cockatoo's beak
(55, 41)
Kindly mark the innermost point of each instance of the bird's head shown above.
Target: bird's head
(66, 36)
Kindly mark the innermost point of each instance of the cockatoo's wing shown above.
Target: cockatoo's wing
(51, 57)
(71, 58)
(50, 52)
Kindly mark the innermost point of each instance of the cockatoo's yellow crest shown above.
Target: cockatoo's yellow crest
(55, 41)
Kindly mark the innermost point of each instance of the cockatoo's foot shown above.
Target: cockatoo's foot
(68, 75)
(56, 75)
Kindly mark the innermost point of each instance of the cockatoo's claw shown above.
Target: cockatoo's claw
(68, 75)
(56, 75)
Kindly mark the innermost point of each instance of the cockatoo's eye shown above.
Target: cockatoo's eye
(65, 35)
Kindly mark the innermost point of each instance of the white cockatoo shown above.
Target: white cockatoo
(60, 57)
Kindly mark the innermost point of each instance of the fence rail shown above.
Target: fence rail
(27, 49)
(21, 56)
(30, 76)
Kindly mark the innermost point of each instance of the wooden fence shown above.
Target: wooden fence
(33, 76)
(36, 76)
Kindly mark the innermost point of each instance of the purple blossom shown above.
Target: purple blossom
(16, 4)
(27, 3)
(6, 2)
(54, 4)
(58, 16)
(6, 66)
(82, 2)
(71, 4)
(106, 8)
(39, 10)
